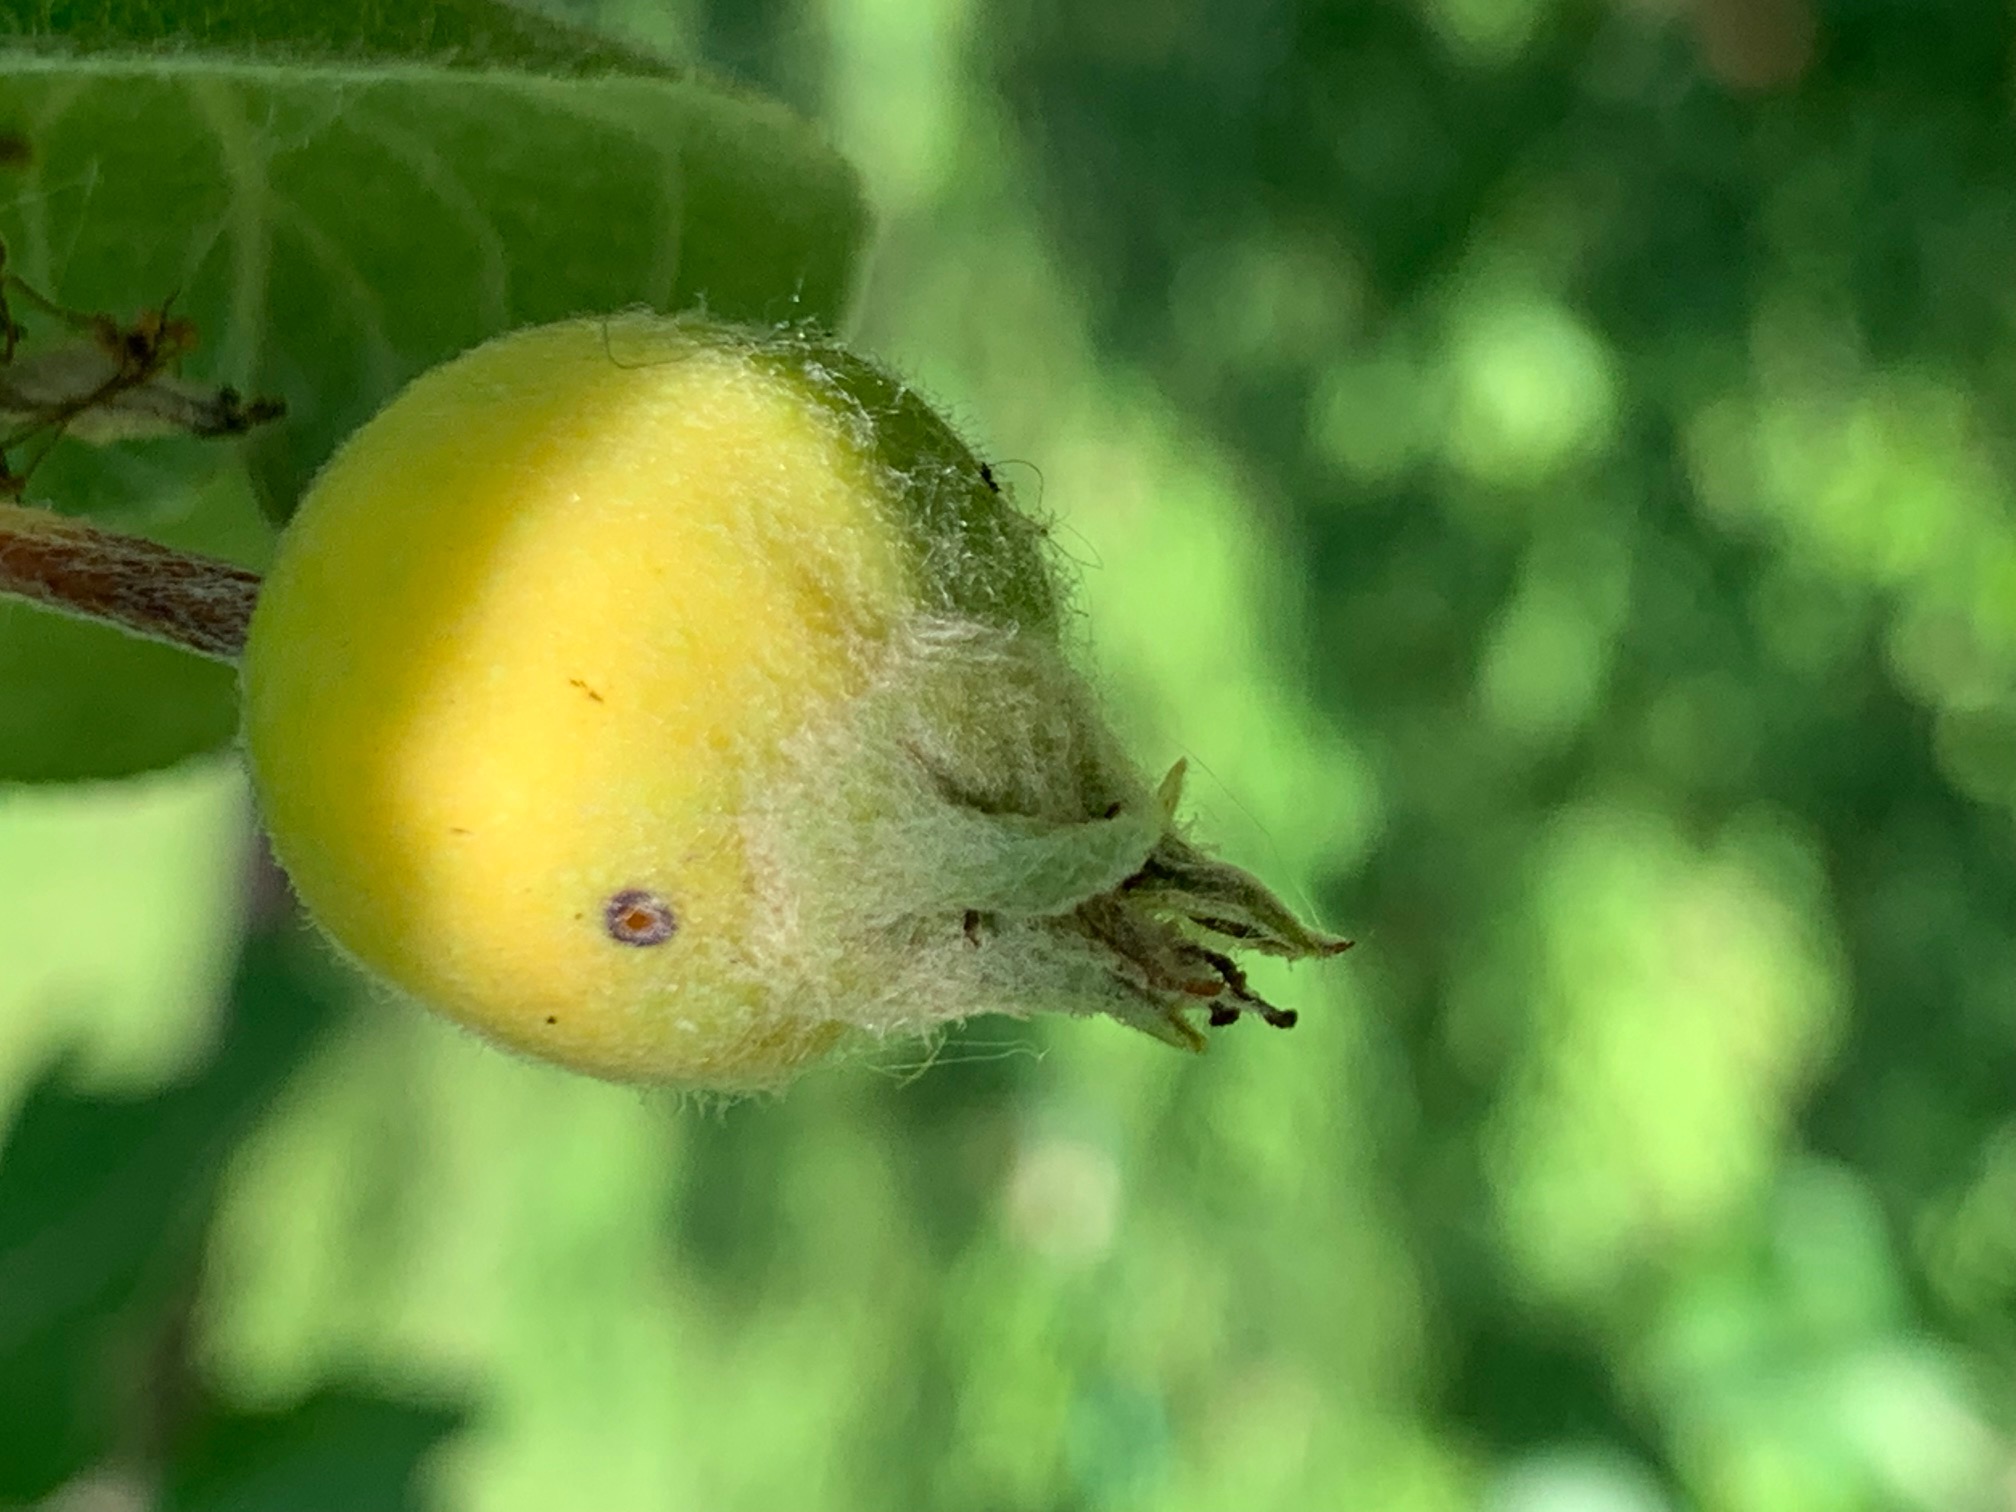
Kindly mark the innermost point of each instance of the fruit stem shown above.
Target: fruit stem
(142, 587)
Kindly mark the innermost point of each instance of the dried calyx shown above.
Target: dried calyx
(1159, 926)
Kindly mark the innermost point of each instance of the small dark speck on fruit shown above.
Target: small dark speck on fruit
(637, 917)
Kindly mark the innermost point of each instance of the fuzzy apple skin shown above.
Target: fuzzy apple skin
(533, 637)
(668, 699)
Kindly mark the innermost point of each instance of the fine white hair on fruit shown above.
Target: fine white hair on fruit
(712, 703)
(968, 782)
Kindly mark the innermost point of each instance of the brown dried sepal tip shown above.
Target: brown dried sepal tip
(112, 383)
(1151, 926)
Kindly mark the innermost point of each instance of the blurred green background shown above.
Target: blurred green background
(1551, 465)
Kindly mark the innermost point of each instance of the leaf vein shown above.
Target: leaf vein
(432, 171)
(385, 367)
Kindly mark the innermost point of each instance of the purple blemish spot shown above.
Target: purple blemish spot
(637, 917)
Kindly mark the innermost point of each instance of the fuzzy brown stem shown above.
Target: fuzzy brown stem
(142, 587)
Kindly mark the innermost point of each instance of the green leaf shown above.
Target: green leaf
(103, 1203)
(339, 198)
(338, 1451)
(459, 33)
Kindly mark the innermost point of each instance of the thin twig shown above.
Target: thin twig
(142, 587)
